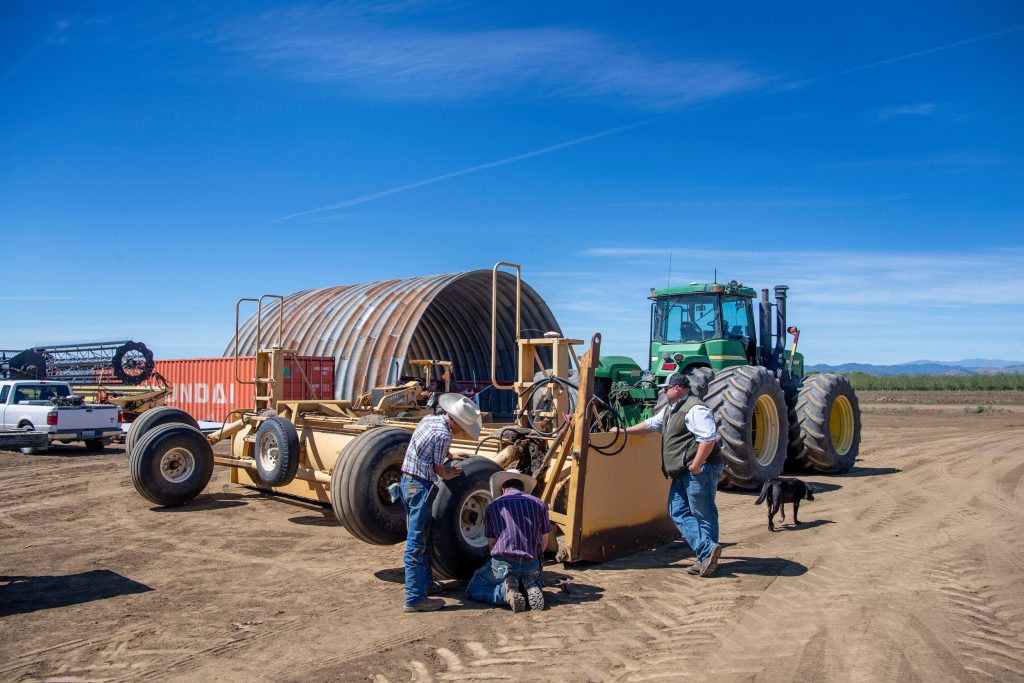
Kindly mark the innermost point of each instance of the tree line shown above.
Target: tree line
(994, 382)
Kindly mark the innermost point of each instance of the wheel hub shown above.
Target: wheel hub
(765, 429)
(177, 465)
(840, 425)
(269, 452)
(471, 518)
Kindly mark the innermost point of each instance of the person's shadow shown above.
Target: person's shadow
(733, 567)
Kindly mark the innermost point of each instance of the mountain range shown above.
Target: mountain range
(969, 366)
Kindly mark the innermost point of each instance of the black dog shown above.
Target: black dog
(781, 490)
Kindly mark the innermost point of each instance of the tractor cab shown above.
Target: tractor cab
(702, 325)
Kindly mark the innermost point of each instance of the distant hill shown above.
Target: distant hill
(971, 366)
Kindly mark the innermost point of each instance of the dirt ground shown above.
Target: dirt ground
(907, 568)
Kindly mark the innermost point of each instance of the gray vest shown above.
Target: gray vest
(678, 444)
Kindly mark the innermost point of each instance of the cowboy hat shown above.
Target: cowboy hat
(498, 480)
(463, 411)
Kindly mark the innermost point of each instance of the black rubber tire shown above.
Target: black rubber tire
(368, 464)
(451, 555)
(277, 469)
(95, 444)
(145, 464)
(30, 450)
(122, 373)
(154, 417)
(733, 395)
(699, 380)
(812, 442)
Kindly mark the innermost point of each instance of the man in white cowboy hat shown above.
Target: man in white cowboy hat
(691, 458)
(517, 528)
(424, 462)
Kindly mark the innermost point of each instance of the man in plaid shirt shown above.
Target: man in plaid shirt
(424, 463)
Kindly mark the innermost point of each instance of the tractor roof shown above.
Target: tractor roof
(734, 288)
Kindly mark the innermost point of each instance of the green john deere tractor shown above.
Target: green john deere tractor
(765, 407)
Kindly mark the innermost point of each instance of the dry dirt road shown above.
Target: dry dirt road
(907, 568)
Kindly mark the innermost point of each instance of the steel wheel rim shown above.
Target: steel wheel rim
(765, 435)
(471, 518)
(269, 452)
(177, 465)
(392, 475)
(840, 425)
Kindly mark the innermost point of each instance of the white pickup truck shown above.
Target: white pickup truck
(34, 405)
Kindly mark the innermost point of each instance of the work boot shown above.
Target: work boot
(426, 605)
(711, 561)
(513, 596)
(694, 568)
(534, 594)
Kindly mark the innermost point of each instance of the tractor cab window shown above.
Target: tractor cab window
(684, 319)
(737, 318)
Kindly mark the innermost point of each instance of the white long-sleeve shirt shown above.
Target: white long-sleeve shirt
(699, 420)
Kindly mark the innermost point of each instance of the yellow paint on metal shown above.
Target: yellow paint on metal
(840, 424)
(766, 429)
(743, 358)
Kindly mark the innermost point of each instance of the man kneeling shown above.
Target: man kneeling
(517, 528)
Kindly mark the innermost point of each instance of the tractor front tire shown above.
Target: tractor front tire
(750, 411)
(827, 434)
(368, 464)
(171, 464)
(458, 546)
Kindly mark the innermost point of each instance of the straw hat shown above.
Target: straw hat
(463, 411)
(498, 480)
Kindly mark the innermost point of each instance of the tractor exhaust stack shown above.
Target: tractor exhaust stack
(764, 332)
(780, 324)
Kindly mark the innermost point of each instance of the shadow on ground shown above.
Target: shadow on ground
(206, 502)
(21, 594)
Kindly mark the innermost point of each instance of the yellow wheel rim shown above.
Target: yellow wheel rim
(766, 429)
(840, 425)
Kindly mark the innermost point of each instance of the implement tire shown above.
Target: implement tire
(154, 417)
(458, 546)
(368, 464)
(171, 464)
(276, 452)
(750, 411)
(827, 434)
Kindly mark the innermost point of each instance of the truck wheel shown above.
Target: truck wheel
(827, 438)
(155, 417)
(171, 464)
(750, 411)
(30, 450)
(368, 464)
(458, 546)
(94, 444)
(277, 452)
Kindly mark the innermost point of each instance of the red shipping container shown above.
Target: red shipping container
(206, 388)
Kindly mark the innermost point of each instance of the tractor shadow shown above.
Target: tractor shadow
(23, 594)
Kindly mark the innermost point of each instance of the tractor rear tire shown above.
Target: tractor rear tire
(368, 464)
(750, 410)
(276, 452)
(827, 433)
(458, 546)
(171, 464)
(154, 417)
(699, 380)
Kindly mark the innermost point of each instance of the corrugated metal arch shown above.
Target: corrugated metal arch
(372, 329)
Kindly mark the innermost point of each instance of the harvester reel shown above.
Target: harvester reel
(825, 424)
(132, 363)
(753, 424)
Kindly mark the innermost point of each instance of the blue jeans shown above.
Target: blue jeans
(691, 505)
(487, 585)
(418, 577)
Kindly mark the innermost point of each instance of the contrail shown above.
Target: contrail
(912, 55)
(454, 174)
(611, 131)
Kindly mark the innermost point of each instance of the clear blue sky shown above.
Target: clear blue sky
(160, 160)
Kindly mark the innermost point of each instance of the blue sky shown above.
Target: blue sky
(160, 160)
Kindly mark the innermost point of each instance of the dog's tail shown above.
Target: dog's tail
(764, 493)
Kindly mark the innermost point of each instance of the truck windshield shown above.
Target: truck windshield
(684, 319)
(40, 392)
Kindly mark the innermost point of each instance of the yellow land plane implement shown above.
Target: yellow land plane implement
(606, 494)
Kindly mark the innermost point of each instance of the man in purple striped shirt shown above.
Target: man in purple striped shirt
(517, 528)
